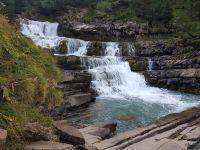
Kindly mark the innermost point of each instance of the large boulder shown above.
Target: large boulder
(71, 76)
(109, 125)
(3, 136)
(77, 99)
(68, 134)
(37, 132)
(69, 62)
(137, 63)
(47, 145)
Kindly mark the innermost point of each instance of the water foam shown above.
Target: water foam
(112, 77)
(44, 34)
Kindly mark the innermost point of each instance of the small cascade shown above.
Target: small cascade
(150, 64)
(77, 47)
(44, 34)
(131, 49)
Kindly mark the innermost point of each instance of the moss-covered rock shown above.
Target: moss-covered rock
(69, 62)
(62, 48)
(95, 48)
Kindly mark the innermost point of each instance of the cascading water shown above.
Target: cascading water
(121, 91)
(113, 78)
(44, 34)
(150, 62)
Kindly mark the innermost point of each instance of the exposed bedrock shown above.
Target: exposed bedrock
(69, 62)
(124, 31)
(75, 84)
(174, 66)
(137, 64)
(179, 131)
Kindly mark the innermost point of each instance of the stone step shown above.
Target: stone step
(77, 99)
(72, 76)
(69, 62)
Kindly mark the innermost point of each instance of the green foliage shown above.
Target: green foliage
(28, 77)
(13, 116)
(149, 10)
(26, 71)
(187, 17)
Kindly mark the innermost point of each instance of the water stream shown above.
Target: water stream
(124, 96)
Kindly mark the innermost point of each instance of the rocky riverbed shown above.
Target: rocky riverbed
(180, 131)
(99, 68)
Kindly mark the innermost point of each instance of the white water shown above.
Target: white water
(44, 34)
(150, 62)
(112, 77)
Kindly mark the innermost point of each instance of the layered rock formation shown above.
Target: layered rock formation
(179, 131)
(109, 31)
(75, 84)
(174, 66)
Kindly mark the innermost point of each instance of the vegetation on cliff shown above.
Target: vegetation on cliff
(184, 15)
(28, 78)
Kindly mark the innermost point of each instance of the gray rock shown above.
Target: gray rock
(69, 62)
(37, 132)
(3, 136)
(47, 145)
(173, 132)
(77, 100)
(75, 77)
(109, 125)
(69, 134)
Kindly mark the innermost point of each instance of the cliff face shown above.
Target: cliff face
(111, 31)
(174, 66)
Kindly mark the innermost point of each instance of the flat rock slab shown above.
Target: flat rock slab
(36, 132)
(174, 132)
(46, 145)
(68, 133)
(96, 133)
(77, 100)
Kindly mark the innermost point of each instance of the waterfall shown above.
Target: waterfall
(44, 34)
(112, 77)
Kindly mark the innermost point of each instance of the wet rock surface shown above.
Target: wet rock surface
(75, 84)
(174, 66)
(175, 131)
